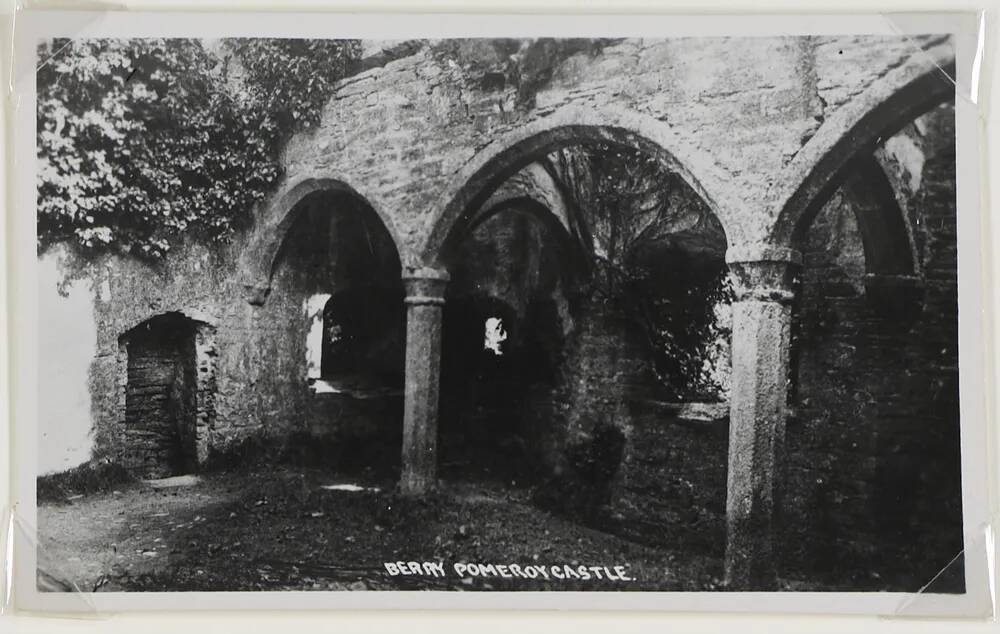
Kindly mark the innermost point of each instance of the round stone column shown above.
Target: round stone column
(763, 277)
(424, 305)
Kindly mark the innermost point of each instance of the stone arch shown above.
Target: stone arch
(261, 253)
(886, 235)
(471, 186)
(203, 319)
(855, 129)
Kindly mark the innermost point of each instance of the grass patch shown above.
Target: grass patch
(91, 477)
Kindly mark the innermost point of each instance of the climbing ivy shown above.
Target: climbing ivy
(144, 142)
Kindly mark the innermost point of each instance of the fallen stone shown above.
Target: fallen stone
(704, 412)
(351, 488)
(175, 481)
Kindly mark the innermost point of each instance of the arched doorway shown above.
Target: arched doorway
(337, 273)
(873, 493)
(639, 383)
(504, 329)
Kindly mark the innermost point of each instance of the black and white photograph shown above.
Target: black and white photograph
(542, 314)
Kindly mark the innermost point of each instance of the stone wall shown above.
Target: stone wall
(732, 122)
(251, 360)
(248, 385)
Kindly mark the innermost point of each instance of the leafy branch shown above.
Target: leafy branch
(145, 142)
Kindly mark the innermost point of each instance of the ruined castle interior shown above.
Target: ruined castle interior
(737, 339)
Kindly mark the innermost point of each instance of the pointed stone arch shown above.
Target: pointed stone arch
(886, 235)
(854, 130)
(471, 186)
(261, 253)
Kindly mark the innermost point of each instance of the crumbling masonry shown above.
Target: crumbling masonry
(830, 170)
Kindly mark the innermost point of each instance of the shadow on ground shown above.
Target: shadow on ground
(281, 530)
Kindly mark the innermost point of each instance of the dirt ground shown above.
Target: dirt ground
(279, 529)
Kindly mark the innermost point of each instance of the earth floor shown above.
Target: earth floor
(280, 529)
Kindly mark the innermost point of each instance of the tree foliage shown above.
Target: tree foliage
(142, 142)
(656, 256)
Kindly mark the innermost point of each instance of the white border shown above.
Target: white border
(23, 315)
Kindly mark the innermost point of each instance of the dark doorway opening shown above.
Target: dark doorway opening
(497, 367)
(161, 397)
(340, 260)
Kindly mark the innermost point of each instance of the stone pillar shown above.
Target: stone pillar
(424, 304)
(763, 277)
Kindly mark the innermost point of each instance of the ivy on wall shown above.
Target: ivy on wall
(143, 141)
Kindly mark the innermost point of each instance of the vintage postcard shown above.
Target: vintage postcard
(637, 312)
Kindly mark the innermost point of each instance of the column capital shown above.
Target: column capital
(425, 286)
(763, 272)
